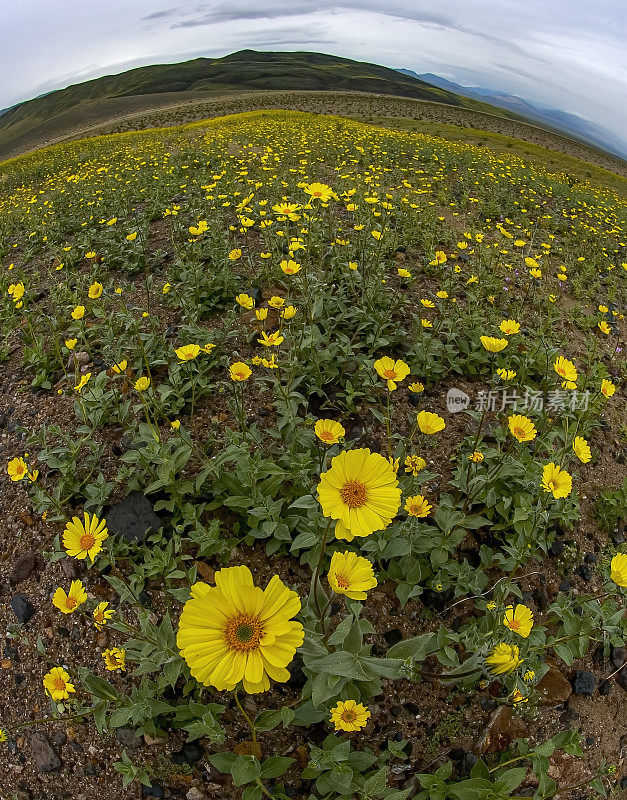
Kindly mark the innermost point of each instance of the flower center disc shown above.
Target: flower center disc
(354, 494)
(342, 581)
(389, 374)
(349, 716)
(519, 433)
(59, 684)
(243, 632)
(87, 541)
(514, 624)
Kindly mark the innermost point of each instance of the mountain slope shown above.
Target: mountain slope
(244, 70)
(560, 121)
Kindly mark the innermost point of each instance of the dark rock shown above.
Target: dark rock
(127, 737)
(584, 571)
(618, 656)
(190, 753)
(500, 731)
(468, 762)
(58, 737)
(605, 688)
(22, 608)
(590, 741)
(591, 558)
(623, 782)
(437, 600)
(621, 679)
(556, 548)
(154, 790)
(70, 568)
(412, 708)
(133, 518)
(393, 637)
(297, 676)
(488, 704)
(554, 688)
(564, 586)
(584, 682)
(23, 568)
(145, 599)
(43, 753)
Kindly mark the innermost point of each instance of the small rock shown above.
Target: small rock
(554, 688)
(133, 518)
(127, 737)
(43, 753)
(195, 794)
(556, 548)
(22, 608)
(502, 729)
(191, 753)
(567, 770)
(154, 790)
(584, 571)
(618, 656)
(605, 688)
(70, 568)
(393, 637)
(621, 679)
(58, 737)
(152, 740)
(23, 568)
(584, 682)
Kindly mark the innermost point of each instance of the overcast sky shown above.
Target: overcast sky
(569, 54)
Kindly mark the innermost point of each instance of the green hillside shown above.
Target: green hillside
(247, 69)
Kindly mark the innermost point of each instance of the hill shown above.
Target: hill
(34, 122)
(553, 118)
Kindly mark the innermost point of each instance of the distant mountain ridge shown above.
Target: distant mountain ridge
(84, 106)
(557, 120)
(246, 69)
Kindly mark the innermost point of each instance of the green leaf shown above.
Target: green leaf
(417, 648)
(245, 769)
(273, 767)
(341, 778)
(306, 501)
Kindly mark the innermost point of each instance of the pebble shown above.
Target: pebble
(133, 518)
(127, 737)
(191, 753)
(554, 688)
(154, 790)
(23, 568)
(43, 753)
(584, 571)
(502, 729)
(22, 608)
(556, 548)
(584, 683)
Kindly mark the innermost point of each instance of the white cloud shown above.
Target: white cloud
(569, 54)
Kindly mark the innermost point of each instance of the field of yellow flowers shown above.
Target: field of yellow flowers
(313, 486)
